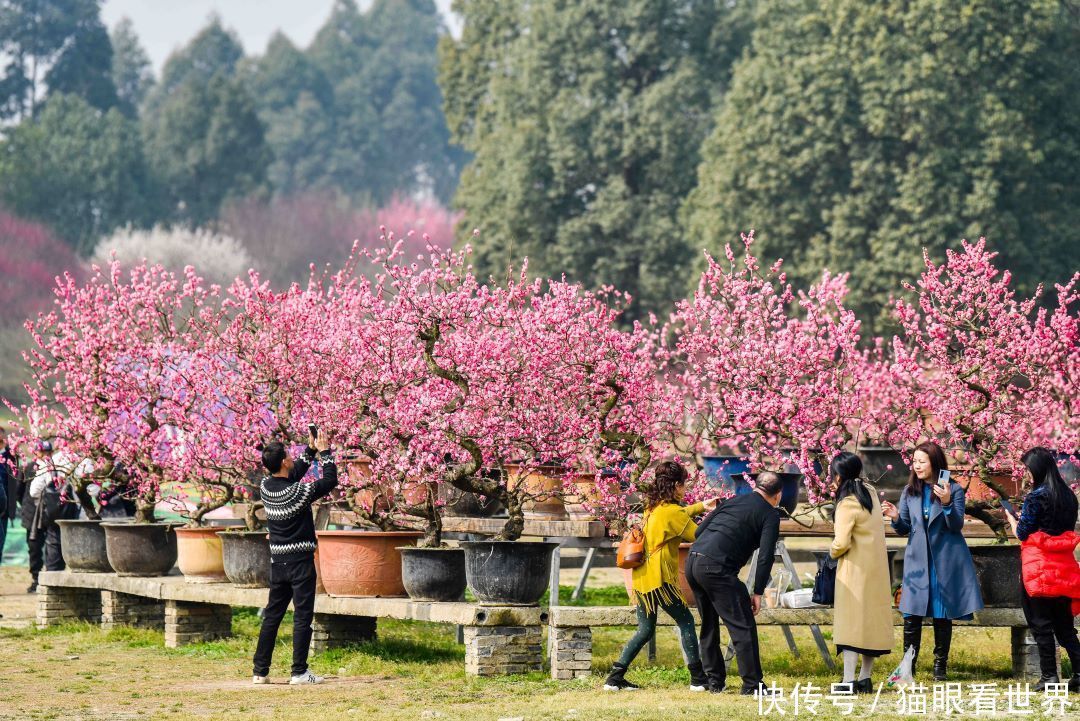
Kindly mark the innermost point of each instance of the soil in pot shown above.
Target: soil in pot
(246, 558)
(433, 574)
(140, 549)
(998, 569)
(363, 563)
(82, 543)
(198, 554)
(508, 572)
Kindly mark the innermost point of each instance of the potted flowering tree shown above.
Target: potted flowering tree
(768, 369)
(995, 374)
(108, 356)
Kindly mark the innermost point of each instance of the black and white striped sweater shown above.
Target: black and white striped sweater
(288, 506)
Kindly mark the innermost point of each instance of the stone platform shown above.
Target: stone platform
(498, 639)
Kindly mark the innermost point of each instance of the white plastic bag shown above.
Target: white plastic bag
(801, 598)
(902, 675)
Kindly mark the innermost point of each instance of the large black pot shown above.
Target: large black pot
(433, 574)
(246, 557)
(508, 572)
(140, 549)
(82, 543)
(998, 569)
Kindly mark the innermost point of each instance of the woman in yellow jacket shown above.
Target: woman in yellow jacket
(656, 582)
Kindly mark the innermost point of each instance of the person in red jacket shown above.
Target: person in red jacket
(1050, 573)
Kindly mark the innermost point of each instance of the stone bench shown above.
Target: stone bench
(570, 632)
(498, 639)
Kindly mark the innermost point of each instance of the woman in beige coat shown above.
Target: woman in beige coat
(862, 609)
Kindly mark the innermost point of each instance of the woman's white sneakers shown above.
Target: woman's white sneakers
(259, 680)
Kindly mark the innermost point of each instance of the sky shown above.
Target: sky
(165, 25)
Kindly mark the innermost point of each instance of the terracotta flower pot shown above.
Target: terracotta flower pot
(976, 490)
(362, 563)
(198, 554)
(546, 491)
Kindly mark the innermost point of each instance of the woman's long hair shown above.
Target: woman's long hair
(1045, 474)
(937, 464)
(669, 474)
(848, 467)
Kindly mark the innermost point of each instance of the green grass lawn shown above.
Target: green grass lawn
(413, 670)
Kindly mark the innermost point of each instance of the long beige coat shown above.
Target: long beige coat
(862, 610)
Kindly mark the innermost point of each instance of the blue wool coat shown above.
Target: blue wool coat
(955, 571)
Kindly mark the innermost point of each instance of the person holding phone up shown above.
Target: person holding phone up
(287, 499)
(939, 573)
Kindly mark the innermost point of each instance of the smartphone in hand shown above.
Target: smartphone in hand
(943, 478)
(313, 430)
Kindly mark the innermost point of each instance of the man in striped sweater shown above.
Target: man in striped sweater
(287, 500)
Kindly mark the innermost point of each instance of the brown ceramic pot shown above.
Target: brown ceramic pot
(363, 563)
(546, 491)
(976, 490)
(198, 554)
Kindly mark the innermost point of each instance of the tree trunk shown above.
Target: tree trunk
(86, 502)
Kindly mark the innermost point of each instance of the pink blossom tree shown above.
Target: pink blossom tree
(996, 374)
(104, 373)
(765, 368)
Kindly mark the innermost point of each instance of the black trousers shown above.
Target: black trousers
(289, 581)
(44, 550)
(1050, 619)
(721, 596)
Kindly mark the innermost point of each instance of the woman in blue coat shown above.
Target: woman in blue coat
(939, 574)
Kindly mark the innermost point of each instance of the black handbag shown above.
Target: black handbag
(825, 581)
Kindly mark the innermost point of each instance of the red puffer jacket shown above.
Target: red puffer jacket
(1050, 568)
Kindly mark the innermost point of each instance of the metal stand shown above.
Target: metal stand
(815, 630)
(585, 569)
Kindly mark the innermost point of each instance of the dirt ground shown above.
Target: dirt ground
(414, 671)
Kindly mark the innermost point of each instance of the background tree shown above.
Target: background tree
(295, 102)
(856, 134)
(132, 72)
(206, 144)
(584, 119)
(58, 45)
(389, 130)
(77, 169)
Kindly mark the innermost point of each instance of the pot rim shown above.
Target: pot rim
(444, 549)
(79, 520)
(197, 529)
(132, 524)
(228, 532)
(470, 544)
(369, 534)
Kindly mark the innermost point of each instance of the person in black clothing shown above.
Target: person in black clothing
(726, 540)
(1050, 507)
(287, 500)
(9, 478)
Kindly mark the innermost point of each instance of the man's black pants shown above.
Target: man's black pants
(44, 550)
(289, 581)
(721, 596)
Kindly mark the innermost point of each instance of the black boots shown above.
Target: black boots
(943, 629)
(615, 680)
(1074, 683)
(913, 637)
(698, 680)
(942, 643)
(1044, 681)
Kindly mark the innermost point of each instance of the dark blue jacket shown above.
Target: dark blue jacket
(955, 570)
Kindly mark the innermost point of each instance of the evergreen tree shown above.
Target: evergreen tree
(78, 170)
(131, 70)
(57, 46)
(856, 134)
(206, 144)
(586, 119)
